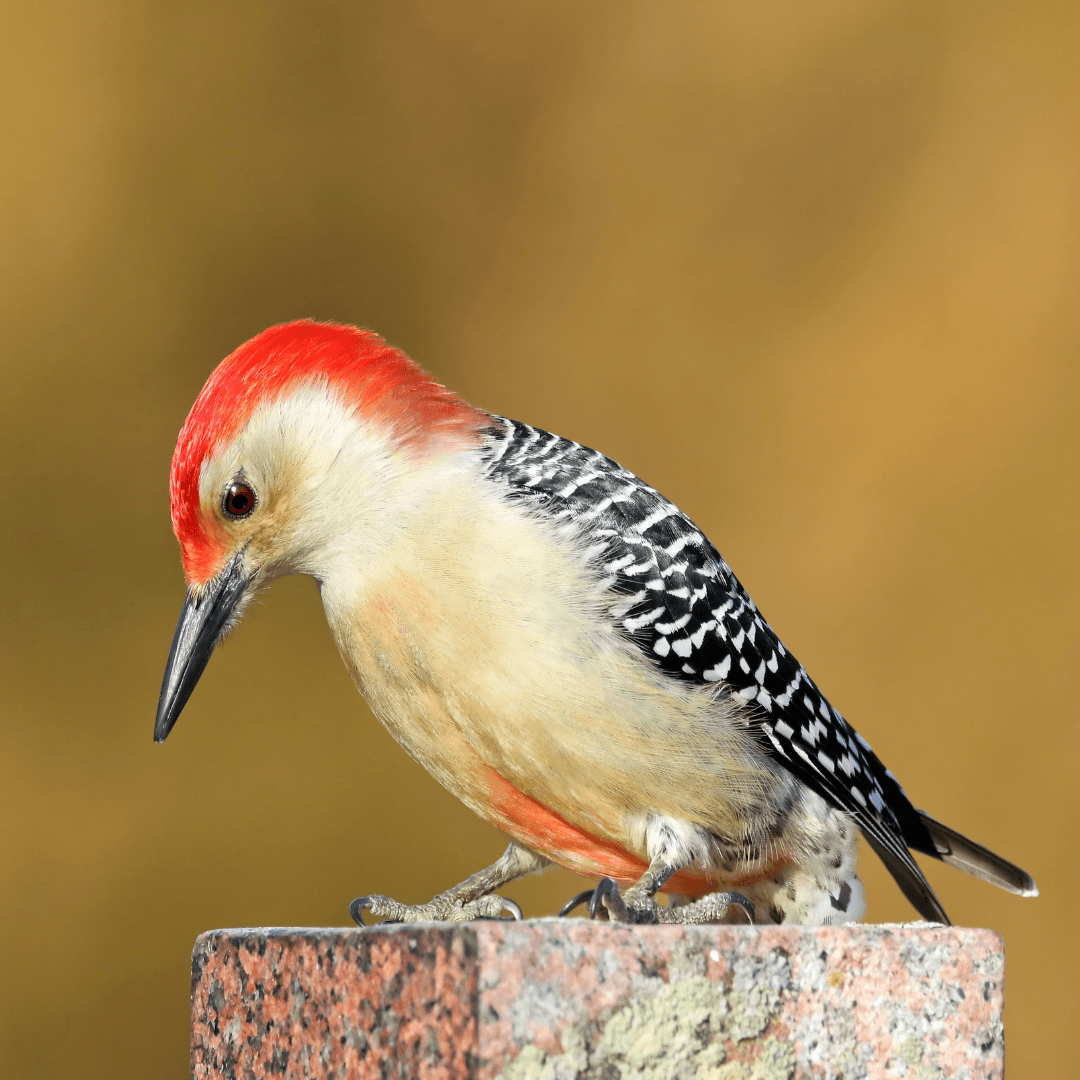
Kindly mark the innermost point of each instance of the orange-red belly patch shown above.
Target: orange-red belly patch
(544, 831)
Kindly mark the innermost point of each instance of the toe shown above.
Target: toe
(643, 913)
(441, 909)
(711, 909)
(486, 907)
(607, 902)
(379, 906)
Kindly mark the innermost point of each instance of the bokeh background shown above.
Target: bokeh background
(810, 269)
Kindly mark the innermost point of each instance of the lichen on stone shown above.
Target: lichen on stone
(755, 993)
(690, 1028)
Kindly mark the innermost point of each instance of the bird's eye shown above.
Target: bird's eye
(239, 500)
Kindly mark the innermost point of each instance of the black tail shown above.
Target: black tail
(909, 877)
(956, 850)
(953, 849)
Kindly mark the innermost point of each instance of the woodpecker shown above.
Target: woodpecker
(552, 639)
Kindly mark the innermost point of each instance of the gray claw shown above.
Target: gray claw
(508, 905)
(576, 901)
(356, 910)
(607, 903)
(741, 901)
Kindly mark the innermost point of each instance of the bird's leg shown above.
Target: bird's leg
(472, 899)
(638, 905)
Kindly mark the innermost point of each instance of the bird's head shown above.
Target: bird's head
(290, 457)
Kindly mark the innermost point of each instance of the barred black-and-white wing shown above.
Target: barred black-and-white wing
(677, 599)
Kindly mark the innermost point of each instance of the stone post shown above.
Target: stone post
(562, 999)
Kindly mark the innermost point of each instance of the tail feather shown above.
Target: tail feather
(956, 850)
(909, 877)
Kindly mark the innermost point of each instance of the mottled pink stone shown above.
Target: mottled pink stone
(561, 999)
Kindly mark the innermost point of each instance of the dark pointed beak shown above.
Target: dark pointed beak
(201, 625)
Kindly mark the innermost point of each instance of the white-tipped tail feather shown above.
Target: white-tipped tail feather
(956, 850)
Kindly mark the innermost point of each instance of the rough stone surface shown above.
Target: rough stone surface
(555, 999)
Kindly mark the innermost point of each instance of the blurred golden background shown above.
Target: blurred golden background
(810, 269)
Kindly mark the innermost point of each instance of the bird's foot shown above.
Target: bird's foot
(610, 905)
(607, 903)
(443, 908)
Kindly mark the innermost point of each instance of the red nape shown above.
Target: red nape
(377, 379)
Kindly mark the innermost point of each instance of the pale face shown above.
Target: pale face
(319, 479)
(305, 487)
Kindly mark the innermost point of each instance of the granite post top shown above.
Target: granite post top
(569, 999)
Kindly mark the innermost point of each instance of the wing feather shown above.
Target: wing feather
(676, 598)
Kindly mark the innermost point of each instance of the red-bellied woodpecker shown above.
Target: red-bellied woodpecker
(554, 641)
